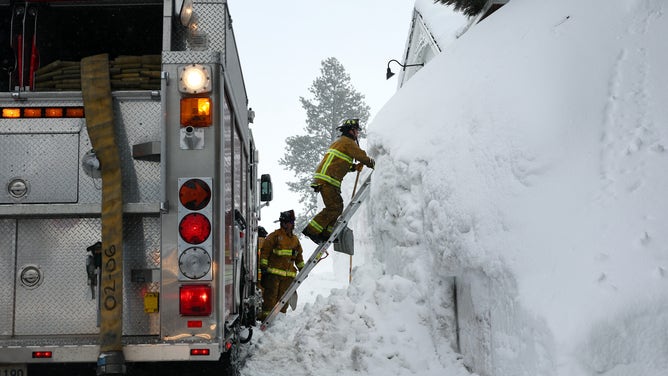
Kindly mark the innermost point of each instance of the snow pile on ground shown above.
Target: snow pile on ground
(528, 161)
(539, 160)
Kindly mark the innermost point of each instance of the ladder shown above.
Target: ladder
(321, 250)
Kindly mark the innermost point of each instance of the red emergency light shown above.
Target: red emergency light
(195, 300)
(195, 228)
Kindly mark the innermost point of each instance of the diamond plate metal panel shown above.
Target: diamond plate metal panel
(137, 121)
(195, 57)
(62, 303)
(212, 23)
(7, 247)
(212, 19)
(142, 251)
(47, 163)
(8, 126)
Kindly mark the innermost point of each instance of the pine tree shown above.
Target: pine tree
(468, 7)
(333, 100)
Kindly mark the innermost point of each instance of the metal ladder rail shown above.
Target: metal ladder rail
(341, 223)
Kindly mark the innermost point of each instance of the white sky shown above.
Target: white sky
(281, 45)
(534, 170)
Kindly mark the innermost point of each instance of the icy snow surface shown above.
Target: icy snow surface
(529, 161)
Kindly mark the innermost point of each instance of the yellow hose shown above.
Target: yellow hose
(96, 91)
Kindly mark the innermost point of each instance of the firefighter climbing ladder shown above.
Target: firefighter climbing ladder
(317, 255)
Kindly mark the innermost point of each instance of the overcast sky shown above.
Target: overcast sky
(281, 46)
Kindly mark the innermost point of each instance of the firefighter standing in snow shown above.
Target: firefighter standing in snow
(338, 161)
(280, 253)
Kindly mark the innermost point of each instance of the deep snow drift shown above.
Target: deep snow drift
(529, 161)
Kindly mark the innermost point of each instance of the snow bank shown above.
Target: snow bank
(530, 158)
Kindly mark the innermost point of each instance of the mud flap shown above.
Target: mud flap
(345, 242)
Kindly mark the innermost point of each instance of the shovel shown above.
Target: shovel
(293, 301)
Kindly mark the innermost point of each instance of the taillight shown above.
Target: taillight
(195, 300)
(199, 352)
(195, 228)
(194, 194)
(195, 211)
(42, 354)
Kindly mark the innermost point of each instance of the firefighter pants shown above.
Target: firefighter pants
(274, 288)
(323, 222)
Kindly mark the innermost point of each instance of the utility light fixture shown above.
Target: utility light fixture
(389, 72)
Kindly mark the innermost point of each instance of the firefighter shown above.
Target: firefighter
(261, 235)
(338, 161)
(281, 252)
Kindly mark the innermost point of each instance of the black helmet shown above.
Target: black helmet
(349, 124)
(261, 232)
(287, 216)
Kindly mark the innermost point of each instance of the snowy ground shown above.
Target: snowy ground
(529, 162)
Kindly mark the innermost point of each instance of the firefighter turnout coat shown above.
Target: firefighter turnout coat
(280, 258)
(338, 161)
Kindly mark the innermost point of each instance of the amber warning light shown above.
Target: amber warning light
(41, 112)
(196, 112)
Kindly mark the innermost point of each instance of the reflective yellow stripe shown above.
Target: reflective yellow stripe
(325, 165)
(315, 225)
(283, 273)
(264, 262)
(300, 265)
(283, 252)
(328, 179)
(343, 156)
(329, 157)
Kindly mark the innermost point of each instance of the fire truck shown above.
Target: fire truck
(129, 186)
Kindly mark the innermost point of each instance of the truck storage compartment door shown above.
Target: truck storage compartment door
(7, 249)
(52, 296)
(40, 160)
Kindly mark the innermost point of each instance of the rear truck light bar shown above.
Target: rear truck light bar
(41, 112)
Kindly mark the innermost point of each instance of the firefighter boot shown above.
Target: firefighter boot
(316, 238)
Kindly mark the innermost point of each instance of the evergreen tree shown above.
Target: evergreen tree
(333, 100)
(468, 7)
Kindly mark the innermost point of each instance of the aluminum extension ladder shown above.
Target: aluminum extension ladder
(341, 223)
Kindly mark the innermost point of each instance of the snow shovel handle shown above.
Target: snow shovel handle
(357, 178)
